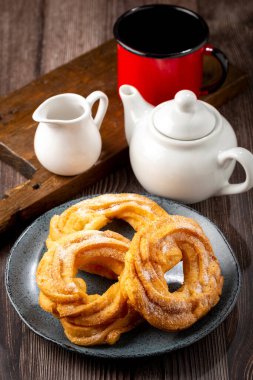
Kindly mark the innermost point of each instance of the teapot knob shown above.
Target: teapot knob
(186, 101)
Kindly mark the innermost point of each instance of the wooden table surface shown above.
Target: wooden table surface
(37, 36)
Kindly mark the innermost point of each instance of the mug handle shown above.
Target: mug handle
(222, 59)
(102, 107)
(245, 158)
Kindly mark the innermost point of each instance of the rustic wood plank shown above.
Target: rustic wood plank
(234, 21)
(20, 29)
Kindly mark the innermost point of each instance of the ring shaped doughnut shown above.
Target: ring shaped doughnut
(86, 319)
(97, 212)
(149, 257)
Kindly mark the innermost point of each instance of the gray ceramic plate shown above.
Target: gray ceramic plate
(140, 342)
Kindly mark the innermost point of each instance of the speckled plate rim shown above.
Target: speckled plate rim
(105, 355)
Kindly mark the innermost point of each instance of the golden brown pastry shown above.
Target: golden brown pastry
(87, 319)
(97, 212)
(151, 254)
(161, 241)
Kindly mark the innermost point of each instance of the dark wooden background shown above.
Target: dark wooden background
(35, 37)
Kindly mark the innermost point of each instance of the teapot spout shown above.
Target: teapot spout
(135, 108)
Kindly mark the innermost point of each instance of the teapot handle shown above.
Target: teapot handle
(245, 158)
(102, 107)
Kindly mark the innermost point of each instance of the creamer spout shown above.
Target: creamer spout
(61, 109)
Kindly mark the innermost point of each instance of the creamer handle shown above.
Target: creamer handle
(245, 158)
(102, 107)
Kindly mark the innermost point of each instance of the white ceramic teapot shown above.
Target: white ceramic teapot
(183, 149)
(67, 140)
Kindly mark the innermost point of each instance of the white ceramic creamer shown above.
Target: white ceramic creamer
(183, 149)
(67, 140)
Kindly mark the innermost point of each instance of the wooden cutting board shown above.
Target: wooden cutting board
(92, 71)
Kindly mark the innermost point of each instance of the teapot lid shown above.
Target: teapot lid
(184, 118)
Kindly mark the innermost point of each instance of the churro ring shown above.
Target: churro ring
(86, 319)
(97, 212)
(149, 258)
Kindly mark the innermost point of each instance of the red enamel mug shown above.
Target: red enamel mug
(161, 49)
